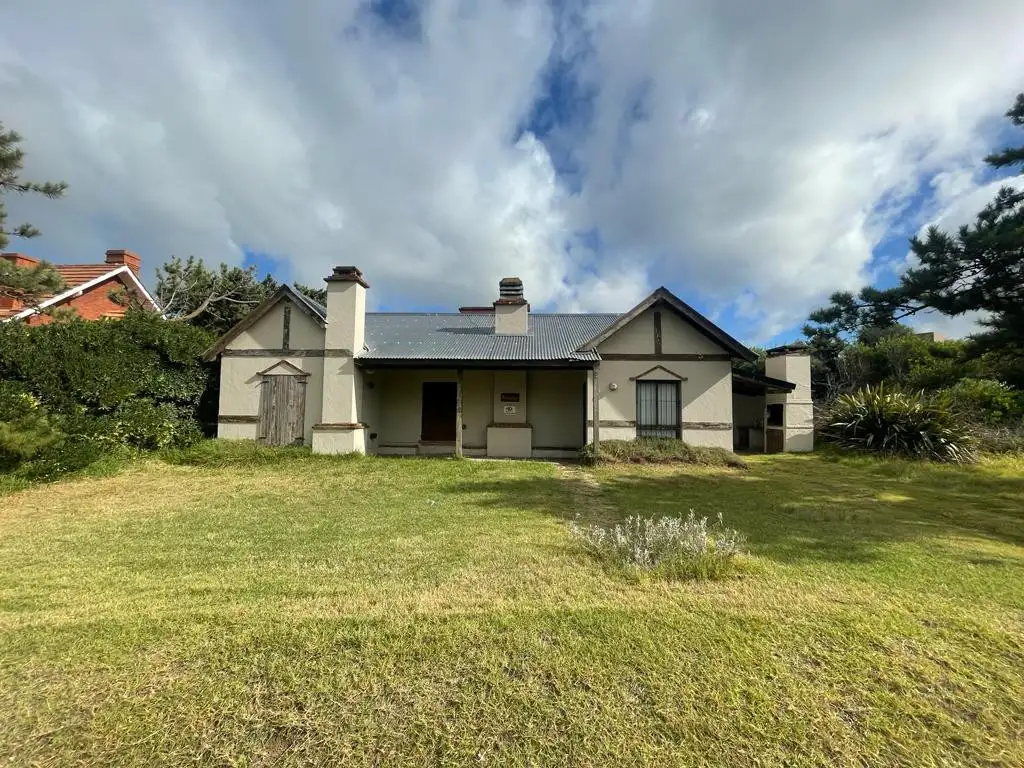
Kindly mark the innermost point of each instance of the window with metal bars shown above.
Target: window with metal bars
(657, 409)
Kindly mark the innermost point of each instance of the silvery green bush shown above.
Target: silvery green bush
(679, 547)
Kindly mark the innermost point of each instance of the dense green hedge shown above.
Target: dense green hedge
(74, 390)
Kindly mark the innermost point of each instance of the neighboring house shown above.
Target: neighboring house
(498, 380)
(92, 291)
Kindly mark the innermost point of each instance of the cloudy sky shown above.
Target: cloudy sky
(751, 156)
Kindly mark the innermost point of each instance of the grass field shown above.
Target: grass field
(297, 610)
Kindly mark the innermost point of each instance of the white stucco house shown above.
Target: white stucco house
(498, 380)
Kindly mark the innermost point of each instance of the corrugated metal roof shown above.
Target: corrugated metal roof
(319, 309)
(449, 336)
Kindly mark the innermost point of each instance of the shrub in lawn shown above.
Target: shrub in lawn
(897, 423)
(675, 547)
(232, 453)
(986, 401)
(661, 450)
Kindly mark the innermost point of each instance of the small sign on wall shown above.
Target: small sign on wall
(510, 397)
(510, 410)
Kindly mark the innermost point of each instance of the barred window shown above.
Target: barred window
(657, 409)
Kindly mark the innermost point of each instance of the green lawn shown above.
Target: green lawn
(434, 612)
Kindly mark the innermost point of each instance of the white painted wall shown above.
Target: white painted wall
(680, 337)
(556, 408)
(240, 392)
(512, 383)
(268, 332)
(706, 399)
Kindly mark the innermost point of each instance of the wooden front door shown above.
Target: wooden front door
(438, 424)
(282, 410)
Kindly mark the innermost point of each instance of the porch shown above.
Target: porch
(535, 412)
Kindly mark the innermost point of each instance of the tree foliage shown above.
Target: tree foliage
(24, 284)
(212, 299)
(215, 299)
(137, 381)
(318, 295)
(12, 159)
(29, 284)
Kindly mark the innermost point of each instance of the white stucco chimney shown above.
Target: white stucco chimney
(341, 428)
(511, 312)
(346, 310)
(793, 364)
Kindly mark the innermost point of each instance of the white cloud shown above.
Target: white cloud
(776, 144)
(826, 117)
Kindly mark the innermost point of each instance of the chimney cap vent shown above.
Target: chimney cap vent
(346, 274)
(510, 291)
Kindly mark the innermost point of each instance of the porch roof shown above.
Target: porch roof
(439, 338)
(759, 385)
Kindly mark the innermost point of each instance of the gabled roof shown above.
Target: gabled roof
(689, 314)
(312, 308)
(440, 338)
(80, 278)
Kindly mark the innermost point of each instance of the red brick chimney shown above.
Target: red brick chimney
(119, 257)
(9, 304)
(20, 260)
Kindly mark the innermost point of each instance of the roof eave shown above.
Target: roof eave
(283, 291)
(366, 361)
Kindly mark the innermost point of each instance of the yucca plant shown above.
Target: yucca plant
(897, 423)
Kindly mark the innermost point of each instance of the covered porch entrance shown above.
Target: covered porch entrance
(522, 412)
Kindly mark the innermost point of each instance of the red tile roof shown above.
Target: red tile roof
(73, 276)
(76, 274)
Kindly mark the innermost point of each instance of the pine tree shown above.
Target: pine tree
(980, 268)
(25, 285)
(318, 295)
(214, 299)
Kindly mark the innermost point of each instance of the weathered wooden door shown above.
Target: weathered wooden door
(282, 410)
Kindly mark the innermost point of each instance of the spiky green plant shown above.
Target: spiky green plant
(897, 423)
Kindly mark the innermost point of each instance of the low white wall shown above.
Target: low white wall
(508, 442)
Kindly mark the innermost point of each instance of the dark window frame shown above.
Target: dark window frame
(771, 420)
(676, 387)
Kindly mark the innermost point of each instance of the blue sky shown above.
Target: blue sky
(751, 158)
